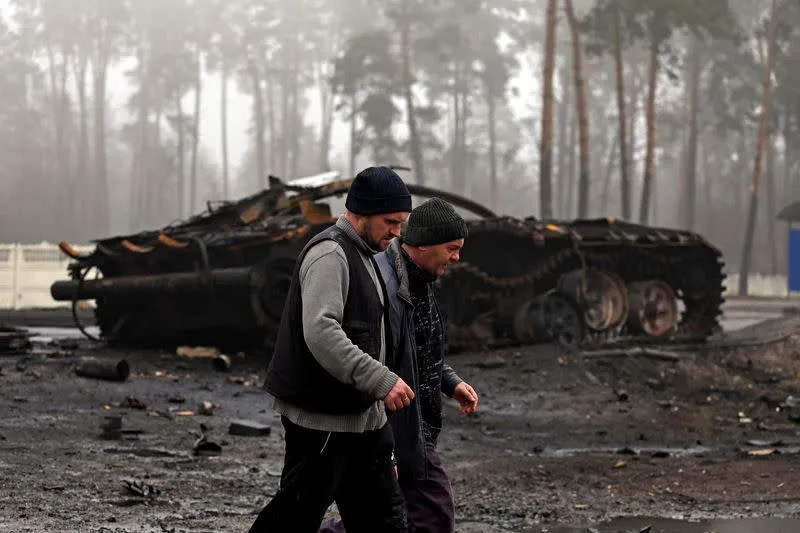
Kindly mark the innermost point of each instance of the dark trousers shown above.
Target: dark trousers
(353, 469)
(429, 501)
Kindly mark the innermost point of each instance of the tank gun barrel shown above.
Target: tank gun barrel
(90, 289)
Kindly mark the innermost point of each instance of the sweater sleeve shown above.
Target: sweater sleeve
(324, 283)
(450, 380)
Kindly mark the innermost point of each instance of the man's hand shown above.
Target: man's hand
(467, 397)
(400, 396)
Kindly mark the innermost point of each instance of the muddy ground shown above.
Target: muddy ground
(559, 439)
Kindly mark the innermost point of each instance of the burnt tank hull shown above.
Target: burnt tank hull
(221, 277)
(585, 282)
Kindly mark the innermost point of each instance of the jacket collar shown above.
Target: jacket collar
(395, 255)
(343, 224)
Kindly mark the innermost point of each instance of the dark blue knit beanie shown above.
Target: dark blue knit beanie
(377, 190)
(434, 222)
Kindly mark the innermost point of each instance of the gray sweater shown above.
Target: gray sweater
(324, 281)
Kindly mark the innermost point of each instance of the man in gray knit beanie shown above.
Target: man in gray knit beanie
(430, 243)
(432, 223)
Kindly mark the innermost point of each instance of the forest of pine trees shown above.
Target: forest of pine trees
(671, 112)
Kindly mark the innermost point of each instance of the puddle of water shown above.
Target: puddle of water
(655, 450)
(146, 452)
(663, 525)
(47, 334)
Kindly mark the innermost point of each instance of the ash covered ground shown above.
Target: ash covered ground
(560, 439)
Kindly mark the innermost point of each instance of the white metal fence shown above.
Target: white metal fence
(28, 270)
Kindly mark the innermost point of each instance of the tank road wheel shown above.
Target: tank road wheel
(602, 295)
(653, 308)
(529, 324)
(564, 319)
(269, 286)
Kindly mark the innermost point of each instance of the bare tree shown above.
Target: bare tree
(405, 51)
(625, 182)
(766, 103)
(583, 116)
(546, 142)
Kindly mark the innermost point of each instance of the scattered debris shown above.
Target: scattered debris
(197, 351)
(176, 399)
(666, 404)
(111, 370)
(222, 363)
(165, 374)
(206, 408)
(248, 428)
(494, 360)
(111, 428)
(636, 351)
(14, 340)
(622, 395)
(761, 452)
(134, 403)
(203, 446)
(140, 488)
(240, 380)
(67, 344)
(655, 384)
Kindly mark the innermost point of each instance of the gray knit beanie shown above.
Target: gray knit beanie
(434, 222)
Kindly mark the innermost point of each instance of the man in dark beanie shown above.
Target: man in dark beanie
(431, 242)
(328, 375)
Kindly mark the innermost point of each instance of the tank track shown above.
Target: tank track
(692, 268)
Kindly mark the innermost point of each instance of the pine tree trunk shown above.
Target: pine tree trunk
(564, 119)
(283, 140)
(570, 184)
(353, 132)
(609, 169)
(624, 146)
(80, 206)
(271, 118)
(771, 205)
(326, 118)
(704, 151)
(154, 196)
(296, 119)
(650, 117)
(546, 142)
(100, 190)
(223, 106)
(181, 155)
(258, 116)
(691, 154)
(766, 103)
(493, 185)
(198, 97)
(141, 153)
(405, 50)
(583, 115)
(60, 188)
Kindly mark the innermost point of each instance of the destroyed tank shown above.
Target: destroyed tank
(220, 278)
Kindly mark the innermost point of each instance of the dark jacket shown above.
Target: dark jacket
(294, 375)
(407, 423)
